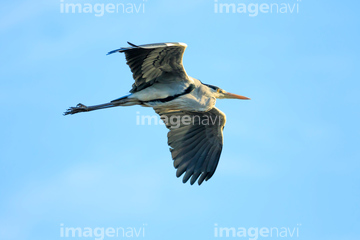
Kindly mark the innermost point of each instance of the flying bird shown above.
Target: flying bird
(185, 104)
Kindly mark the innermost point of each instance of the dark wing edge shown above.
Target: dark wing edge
(195, 144)
(151, 61)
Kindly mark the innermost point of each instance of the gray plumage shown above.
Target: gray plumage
(196, 147)
(162, 83)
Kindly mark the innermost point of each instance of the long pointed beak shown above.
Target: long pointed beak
(235, 96)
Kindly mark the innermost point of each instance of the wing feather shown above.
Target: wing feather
(195, 148)
(152, 63)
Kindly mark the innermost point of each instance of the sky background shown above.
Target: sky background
(290, 157)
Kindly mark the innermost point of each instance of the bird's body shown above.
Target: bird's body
(199, 99)
(185, 104)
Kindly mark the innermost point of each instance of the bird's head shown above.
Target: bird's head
(222, 94)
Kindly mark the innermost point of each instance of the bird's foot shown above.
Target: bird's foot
(79, 108)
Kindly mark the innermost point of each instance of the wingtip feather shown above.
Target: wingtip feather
(131, 44)
(114, 51)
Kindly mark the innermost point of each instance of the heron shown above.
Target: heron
(185, 104)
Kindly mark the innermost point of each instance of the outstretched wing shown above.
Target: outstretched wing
(153, 62)
(195, 140)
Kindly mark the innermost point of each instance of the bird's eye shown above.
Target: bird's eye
(218, 90)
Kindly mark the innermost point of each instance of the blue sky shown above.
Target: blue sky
(290, 157)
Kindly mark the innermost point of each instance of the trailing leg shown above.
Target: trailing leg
(123, 101)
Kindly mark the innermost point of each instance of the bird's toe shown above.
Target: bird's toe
(80, 105)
